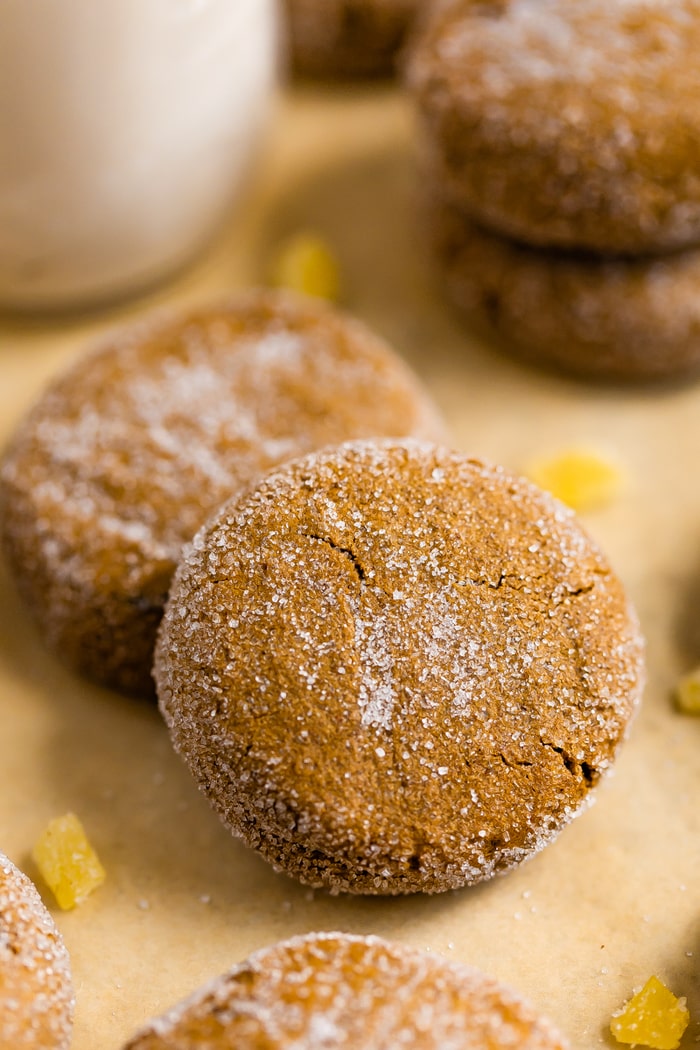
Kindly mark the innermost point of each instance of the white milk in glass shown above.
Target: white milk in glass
(126, 128)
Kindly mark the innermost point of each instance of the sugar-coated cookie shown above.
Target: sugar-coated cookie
(393, 668)
(617, 319)
(127, 454)
(567, 124)
(36, 992)
(339, 992)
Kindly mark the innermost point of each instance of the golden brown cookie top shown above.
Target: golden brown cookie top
(571, 124)
(356, 993)
(394, 668)
(36, 995)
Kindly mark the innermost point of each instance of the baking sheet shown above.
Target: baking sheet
(576, 928)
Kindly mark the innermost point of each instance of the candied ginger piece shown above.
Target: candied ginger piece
(581, 478)
(653, 1017)
(306, 264)
(688, 693)
(67, 862)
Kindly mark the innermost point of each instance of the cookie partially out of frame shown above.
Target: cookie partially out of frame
(340, 992)
(565, 124)
(126, 455)
(622, 319)
(348, 38)
(392, 668)
(36, 991)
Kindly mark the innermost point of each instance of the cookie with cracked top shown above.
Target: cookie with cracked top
(393, 668)
(564, 124)
(126, 455)
(340, 992)
(36, 991)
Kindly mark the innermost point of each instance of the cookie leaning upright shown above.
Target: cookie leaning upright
(126, 455)
(392, 668)
(36, 993)
(340, 992)
(567, 124)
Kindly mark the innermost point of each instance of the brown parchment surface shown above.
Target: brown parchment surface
(616, 897)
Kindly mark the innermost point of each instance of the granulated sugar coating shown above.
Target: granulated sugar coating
(624, 319)
(348, 38)
(126, 456)
(332, 990)
(569, 124)
(36, 994)
(392, 668)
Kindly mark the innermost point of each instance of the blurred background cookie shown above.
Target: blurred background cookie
(348, 38)
(392, 668)
(561, 148)
(566, 124)
(626, 319)
(36, 991)
(334, 990)
(126, 455)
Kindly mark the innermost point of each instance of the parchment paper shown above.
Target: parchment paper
(575, 929)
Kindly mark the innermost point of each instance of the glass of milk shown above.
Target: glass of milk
(126, 127)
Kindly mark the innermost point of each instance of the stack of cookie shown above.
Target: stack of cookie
(348, 38)
(561, 144)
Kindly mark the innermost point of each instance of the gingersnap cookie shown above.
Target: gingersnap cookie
(393, 668)
(348, 38)
(356, 993)
(127, 454)
(567, 124)
(620, 318)
(36, 993)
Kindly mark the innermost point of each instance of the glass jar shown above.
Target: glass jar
(126, 127)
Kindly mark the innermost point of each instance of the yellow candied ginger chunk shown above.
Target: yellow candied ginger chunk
(306, 264)
(67, 862)
(653, 1017)
(688, 693)
(581, 478)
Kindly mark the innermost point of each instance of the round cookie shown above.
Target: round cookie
(333, 990)
(615, 319)
(392, 668)
(127, 454)
(567, 124)
(36, 993)
(348, 38)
